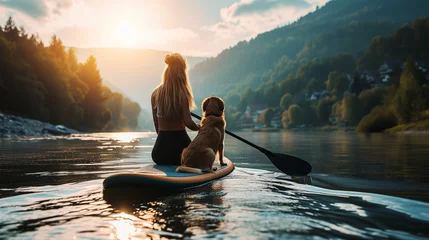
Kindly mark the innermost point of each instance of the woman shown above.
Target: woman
(171, 104)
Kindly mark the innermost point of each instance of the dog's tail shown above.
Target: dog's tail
(188, 169)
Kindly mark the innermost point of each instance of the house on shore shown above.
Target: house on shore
(315, 96)
(249, 120)
(388, 68)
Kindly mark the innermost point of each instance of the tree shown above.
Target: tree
(96, 114)
(232, 99)
(48, 84)
(286, 101)
(272, 95)
(72, 60)
(337, 111)
(324, 108)
(358, 84)
(57, 48)
(114, 103)
(266, 116)
(285, 119)
(11, 32)
(371, 98)
(296, 114)
(409, 101)
(337, 84)
(314, 85)
(131, 110)
(351, 108)
(379, 119)
(249, 96)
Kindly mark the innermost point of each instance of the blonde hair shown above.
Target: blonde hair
(174, 90)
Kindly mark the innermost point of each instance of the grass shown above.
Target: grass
(416, 126)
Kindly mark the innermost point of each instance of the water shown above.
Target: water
(361, 187)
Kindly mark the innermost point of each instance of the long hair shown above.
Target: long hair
(174, 91)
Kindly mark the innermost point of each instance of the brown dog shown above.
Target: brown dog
(200, 155)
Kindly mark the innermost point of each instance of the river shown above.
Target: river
(361, 187)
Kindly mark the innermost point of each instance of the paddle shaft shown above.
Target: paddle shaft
(288, 164)
(263, 150)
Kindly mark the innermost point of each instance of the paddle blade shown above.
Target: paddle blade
(289, 164)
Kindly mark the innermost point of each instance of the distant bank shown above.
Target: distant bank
(14, 126)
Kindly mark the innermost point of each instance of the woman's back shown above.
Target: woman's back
(166, 124)
(171, 102)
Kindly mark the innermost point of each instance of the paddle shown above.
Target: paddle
(288, 164)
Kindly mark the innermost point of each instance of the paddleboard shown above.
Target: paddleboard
(165, 177)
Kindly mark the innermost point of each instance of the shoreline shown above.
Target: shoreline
(12, 126)
(394, 130)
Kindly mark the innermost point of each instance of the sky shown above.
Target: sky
(191, 27)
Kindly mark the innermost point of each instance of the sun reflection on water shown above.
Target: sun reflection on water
(123, 228)
(125, 137)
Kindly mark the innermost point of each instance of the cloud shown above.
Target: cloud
(33, 8)
(94, 23)
(60, 5)
(257, 6)
(38, 9)
(247, 18)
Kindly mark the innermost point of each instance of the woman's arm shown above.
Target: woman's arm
(154, 111)
(187, 119)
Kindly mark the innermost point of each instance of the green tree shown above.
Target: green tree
(358, 84)
(266, 117)
(351, 109)
(409, 101)
(131, 110)
(296, 115)
(371, 98)
(72, 60)
(337, 84)
(249, 96)
(232, 98)
(379, 119)
(337, 110)
(11, 32)
(272, 95)
(324, 108)
(57, 48)
(314, 85)
(96, 114)
(285, 119)
(114, 103)
(286, 101)
(48, 84)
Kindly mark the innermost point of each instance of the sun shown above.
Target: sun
(125, 34)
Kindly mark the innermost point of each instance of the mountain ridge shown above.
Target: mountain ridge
(256, 58)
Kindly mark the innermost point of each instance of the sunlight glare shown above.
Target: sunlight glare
(125, 137)
(124, 227)
(125, 34)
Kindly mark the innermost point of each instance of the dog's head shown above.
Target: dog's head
(213, 106)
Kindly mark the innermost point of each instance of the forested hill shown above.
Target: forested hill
(48, 83)
(339, 26)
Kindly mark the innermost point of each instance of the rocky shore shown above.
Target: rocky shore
(14, 126)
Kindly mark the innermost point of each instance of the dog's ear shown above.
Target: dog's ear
(205, 104)
(221, 104)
